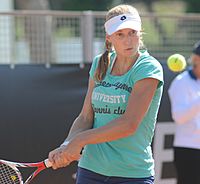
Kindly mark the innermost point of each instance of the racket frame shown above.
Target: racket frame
(39, 165)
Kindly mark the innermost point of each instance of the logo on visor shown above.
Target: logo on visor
(123, 18)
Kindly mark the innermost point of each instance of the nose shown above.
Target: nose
(128, 40)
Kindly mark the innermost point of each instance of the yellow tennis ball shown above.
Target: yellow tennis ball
(176, 63)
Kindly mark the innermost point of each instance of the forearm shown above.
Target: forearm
(79, 125)
(116, 129)
(127, 124)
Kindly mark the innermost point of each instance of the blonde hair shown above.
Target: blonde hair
(104, 60)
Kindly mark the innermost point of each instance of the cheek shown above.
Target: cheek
(120, 44)
(137, 39)
(136, 43)
(196, 67)
(117, 44)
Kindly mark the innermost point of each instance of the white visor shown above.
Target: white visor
(132, 21)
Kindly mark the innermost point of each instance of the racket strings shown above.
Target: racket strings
(8, 175)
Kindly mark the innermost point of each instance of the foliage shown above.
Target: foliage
(193, 6)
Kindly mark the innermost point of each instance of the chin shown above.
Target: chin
(129, 53)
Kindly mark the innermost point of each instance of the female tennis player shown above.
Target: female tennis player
(117, 121)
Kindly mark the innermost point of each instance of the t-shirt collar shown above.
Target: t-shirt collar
(192, 75)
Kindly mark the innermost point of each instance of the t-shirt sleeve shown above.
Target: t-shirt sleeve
(94, 66)
(149, 69)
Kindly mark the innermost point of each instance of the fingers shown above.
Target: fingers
(60, 158)
(52, 155)
(64, 155)
(60, 161)
(54, 158)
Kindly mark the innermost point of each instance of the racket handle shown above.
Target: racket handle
(47, 163)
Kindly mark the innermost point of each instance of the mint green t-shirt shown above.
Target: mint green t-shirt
(130, 156)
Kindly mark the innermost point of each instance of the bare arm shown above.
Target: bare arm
(85, 119)
(138, 104)
(82, 123)
(123, 126)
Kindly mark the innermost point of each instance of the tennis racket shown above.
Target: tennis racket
(9, 173)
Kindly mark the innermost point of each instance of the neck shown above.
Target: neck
(123, 64)
(124, 60)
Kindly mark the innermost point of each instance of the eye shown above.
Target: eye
(119, 34)
(132, 33)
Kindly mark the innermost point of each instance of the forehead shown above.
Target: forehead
(125, 30)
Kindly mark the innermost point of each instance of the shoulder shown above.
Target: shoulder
(96, 59)
(94, 65)
(95, 62)
(181, 78)
(179, 82)
(146, 61)
(147, 67)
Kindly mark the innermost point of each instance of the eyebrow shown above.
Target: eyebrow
(122, 31)
(119, 31)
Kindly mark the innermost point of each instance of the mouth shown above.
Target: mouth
(129, 49)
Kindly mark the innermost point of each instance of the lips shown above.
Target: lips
(129, 49)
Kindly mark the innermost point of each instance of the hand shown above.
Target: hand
(64, 155)
(72, 151)
(55, 159)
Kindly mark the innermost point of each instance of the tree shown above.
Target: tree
(193, 6)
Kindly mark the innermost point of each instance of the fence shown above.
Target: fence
(50, 37)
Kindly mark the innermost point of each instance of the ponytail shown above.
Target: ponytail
(103, 64)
